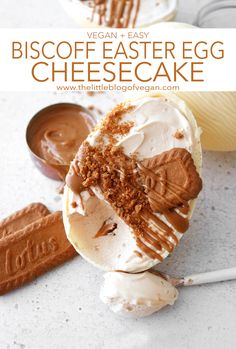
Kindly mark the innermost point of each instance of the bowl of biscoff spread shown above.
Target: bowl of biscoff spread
(54, 135)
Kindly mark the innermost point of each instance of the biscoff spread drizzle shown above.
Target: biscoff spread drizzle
(105, 229)
(143, 193)
(116, 13)
(120, 180)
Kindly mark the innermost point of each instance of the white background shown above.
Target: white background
(218, 74)
(61, 310)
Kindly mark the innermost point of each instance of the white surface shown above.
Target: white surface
(61, 310)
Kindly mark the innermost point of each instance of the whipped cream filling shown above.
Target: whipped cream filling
(155, 123)
(136, 295)
(143, 13)
(155, 128)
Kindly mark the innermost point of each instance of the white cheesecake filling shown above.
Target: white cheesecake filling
(149, 12)
(155, 123)
(136, 295)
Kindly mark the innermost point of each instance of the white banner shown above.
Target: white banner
(117, 60)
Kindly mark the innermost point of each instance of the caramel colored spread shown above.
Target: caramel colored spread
(73, 179)
(57, 133)
(118, 14)
(105, 229)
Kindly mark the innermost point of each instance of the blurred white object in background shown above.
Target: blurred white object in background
(218, 14)
(215, 113)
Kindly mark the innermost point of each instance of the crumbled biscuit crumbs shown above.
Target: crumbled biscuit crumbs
(95, 109)
(179, 134)
(74, 204)
(90, 93)
(99, 167)
(112, 123)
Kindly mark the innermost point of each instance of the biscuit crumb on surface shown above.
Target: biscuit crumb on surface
(179, 134)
